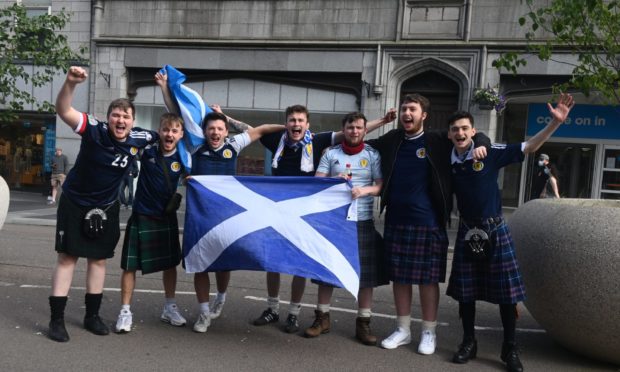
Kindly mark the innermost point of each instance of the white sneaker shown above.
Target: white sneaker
(216, 309)
(400, 337)
(203, 322)
(123, 324)
(171, 315)
(427, 343)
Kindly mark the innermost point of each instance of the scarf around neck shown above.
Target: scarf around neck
(307, 164)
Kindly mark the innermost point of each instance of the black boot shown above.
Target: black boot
(57, 330)
(510, 356)
(92, 321)
(467, 350)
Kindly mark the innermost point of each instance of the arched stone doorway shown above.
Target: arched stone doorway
(442, 92)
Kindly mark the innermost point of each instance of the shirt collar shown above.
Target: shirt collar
(463, 158)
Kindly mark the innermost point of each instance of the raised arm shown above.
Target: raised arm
(235, 124)
(261, 130)
(64, 109)
(559, 114)
(162, 81)
(389, 117)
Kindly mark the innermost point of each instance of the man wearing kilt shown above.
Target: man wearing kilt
(484, 265)
(87, 218)
(152, 235)
(418, 195)
(361, 164)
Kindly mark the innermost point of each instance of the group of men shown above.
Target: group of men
(414, 172)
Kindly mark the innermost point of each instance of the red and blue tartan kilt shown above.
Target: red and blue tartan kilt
(496, 280)
(372, 260)
(416, 254)
(151, 244)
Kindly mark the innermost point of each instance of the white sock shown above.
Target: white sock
(404, 322)
(274, 304)
(125, 307)
(429, 326)
(364, 313)
(294, 308)
(221, 297)
(170, 302)
(324, 308)
(204, 307)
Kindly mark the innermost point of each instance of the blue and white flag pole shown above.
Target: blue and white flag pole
(192, 108)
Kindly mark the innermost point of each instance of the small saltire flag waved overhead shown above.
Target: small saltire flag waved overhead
(303, 226)
(192, 108)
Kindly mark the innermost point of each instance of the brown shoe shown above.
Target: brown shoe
(320, 325)
(362, 331)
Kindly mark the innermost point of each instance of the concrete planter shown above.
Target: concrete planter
(569, 252)
(4, 201)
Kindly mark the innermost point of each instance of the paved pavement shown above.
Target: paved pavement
(231, 343)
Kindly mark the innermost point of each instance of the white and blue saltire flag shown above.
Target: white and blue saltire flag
(303, 226)
(193, 109)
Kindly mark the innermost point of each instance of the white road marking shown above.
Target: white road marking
(263, 299)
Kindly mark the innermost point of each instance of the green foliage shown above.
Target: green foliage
(31, 41)
(589, 29)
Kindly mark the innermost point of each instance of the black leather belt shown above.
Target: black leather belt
(482, 221)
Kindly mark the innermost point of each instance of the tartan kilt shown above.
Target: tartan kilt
(70, 238)
(496, 280)
(416, 254)
(370, 250)
(151, 244)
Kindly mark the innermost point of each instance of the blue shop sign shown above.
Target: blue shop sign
(584, 121)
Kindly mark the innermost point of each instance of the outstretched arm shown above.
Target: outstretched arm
(64, 109)
(390, 116)
(162, 81)
(261, 130)
(235, 124)
(559, 114)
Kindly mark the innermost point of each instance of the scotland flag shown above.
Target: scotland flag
(192, 109)
(295, 225)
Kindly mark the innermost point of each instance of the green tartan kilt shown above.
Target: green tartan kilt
(151, 244)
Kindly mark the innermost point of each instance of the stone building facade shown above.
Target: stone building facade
(256, 57)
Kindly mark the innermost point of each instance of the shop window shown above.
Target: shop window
(610, 185)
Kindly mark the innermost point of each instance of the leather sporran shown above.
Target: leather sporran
(94, 223)
(478, 243)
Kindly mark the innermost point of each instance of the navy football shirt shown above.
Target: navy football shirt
(102, 162)
(475, 182)
(154, 191)
(410, 199)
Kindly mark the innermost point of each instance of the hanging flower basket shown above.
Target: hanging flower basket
(488, 99)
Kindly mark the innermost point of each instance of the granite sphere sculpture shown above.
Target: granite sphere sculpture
(4, 201)
(569, 252)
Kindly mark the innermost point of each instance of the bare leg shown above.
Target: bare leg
(325, 294)
(128, 283)
(202, 286)
(63, 274)
(169, 278)
(297, 289)
(95, 275)
(273, 284)
(364, 298)
(222, 278)
(402, 298)
(429, 299)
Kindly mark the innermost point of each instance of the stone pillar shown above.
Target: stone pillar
(569, 252)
